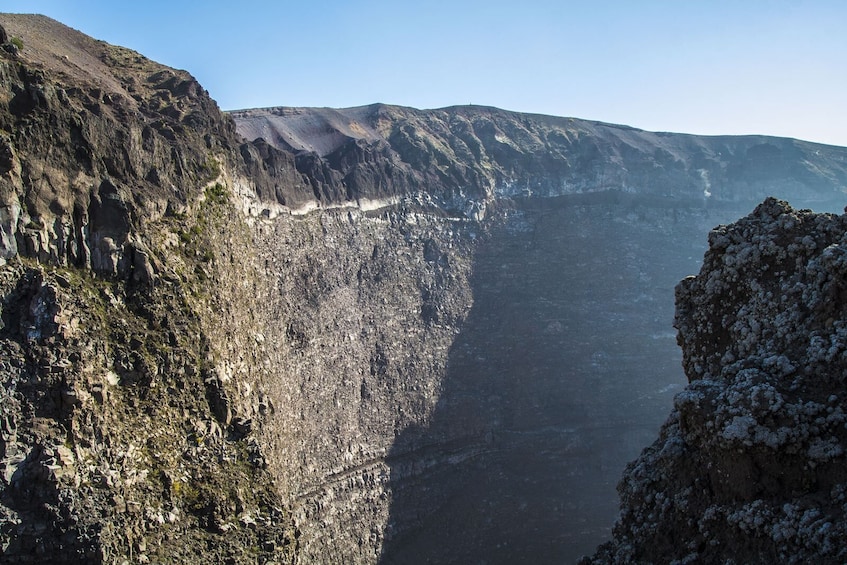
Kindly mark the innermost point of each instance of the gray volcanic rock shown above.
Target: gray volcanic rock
(466, 155)
(751, 465)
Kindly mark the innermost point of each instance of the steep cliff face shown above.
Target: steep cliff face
(359, 325)
(121, 437)
(377, 334)
(750, 466)
(508, 463)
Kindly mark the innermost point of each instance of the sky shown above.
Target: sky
(774, 67)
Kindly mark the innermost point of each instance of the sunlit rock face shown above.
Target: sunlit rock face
(369, 335)
(750, 466)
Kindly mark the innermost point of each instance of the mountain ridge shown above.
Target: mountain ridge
(475, 154)
(498, 109)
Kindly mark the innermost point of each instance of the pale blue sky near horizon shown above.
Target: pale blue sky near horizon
(774, 67)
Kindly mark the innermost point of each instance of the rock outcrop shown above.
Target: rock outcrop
(365, 335)
(750, 466)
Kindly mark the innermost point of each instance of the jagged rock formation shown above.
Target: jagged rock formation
(316, 346)
(750, 466)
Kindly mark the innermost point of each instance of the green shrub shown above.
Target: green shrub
(212, 168)
(217, 193)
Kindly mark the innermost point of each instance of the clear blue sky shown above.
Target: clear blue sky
(775, 67)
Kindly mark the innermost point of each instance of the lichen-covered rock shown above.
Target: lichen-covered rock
(751, 465)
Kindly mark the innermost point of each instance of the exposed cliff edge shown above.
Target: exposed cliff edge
(750, 467)
(373, 334)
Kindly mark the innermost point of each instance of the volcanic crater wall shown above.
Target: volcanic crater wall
(374, 334)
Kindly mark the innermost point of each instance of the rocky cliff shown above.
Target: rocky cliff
(120, 434)
(363, 335)
(750, 466)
